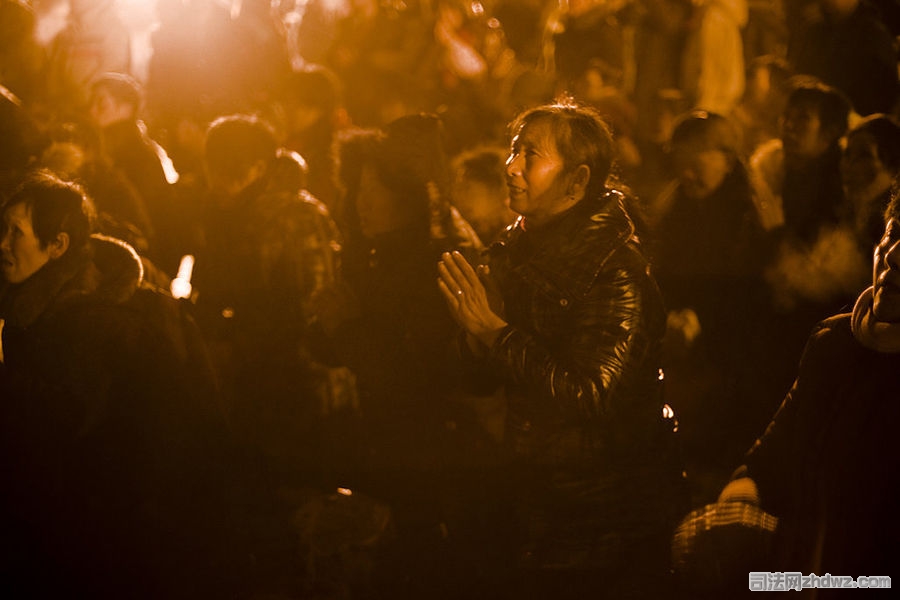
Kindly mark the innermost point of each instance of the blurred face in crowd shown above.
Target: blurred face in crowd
(21, 252)
(886, 275)
(802, 134)
(64, 158)
(106, 110)
(535, 174)
(700, 171)
(380, 210)
(484, 207)
(861, 167)
(228, 185)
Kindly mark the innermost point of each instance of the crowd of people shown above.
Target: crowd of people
(445, 298)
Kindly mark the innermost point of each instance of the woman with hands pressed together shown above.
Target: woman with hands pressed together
(566, 317)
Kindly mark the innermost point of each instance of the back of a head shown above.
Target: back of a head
(56, 206)
(704, 130)
(315, 86)
(237, 142)
(483, 165)
(580, 135)
(479, 190)
(414, 153)
(122, 87)
(356, 148)
(885, 131)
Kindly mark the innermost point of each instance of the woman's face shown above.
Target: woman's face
(886, 275)
(379, 209)
(802, 134)
(535, 174)
(21, 254)
(700, 171)
(861, 167)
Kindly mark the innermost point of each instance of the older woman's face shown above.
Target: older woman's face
(886, 275)
(21, 252)
(535, 173)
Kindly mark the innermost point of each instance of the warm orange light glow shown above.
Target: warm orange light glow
(181, 285)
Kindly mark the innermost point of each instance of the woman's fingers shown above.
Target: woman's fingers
(450, 296)
(466, 269)
(453, 282)
(460, 273)
(456, 276)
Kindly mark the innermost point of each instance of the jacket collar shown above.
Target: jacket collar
(106, 269)
(566, 255)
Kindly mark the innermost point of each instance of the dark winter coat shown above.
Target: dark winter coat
(131, 152)
(259, 261)
(828, 466)
(711, 247)
(399, 344)
(581, 367)
(108, 432)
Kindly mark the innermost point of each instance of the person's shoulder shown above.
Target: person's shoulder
(281, 209)
(295, 222)
(602, 243)
(831, 342)
(119, 266)
(611, 226)
(834, 329)
(509, 232)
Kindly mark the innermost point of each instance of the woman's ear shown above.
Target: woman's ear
(580, 180)
(59, 245)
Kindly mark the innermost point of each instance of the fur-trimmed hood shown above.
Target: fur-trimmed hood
(106, 270)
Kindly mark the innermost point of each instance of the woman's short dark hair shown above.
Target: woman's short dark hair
(831, 104)
(56, 206)
(581, 136)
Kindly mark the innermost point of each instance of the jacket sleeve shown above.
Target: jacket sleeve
(777, 460)
(614, 330)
